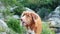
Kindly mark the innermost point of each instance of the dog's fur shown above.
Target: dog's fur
(32, 22)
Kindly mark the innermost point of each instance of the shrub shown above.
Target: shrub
(43, 12)
(15, 25)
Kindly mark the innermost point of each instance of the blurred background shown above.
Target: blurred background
(10, 11)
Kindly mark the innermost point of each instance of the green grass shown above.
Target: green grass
(46, 29)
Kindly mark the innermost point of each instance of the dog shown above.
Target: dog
(32, 22)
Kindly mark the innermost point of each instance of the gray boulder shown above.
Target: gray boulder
(16, 16)
(54, 17)
(3, 27)
(54, 20)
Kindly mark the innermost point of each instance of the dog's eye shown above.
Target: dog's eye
(28, 16)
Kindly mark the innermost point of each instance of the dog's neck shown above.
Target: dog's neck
(32, 27)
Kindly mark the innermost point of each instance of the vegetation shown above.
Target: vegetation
(36, 5)
(16, 7)
(46, 29)
(15, 25)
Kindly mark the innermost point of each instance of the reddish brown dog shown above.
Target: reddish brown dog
(32, 22)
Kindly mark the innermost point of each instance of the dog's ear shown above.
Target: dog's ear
(34, 17)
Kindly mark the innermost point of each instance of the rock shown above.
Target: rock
(54, 20)
(54, 17)
(16, 16)
(12, 8)
(3, 27)
(1, 16)
(57, 33)
(28, 9)
(3, 24)
(2, 7)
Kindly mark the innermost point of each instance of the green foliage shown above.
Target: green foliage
(19, 10)
(12, 4)
(46, 29)
(41, 3)
(11, 31)
(34, 4)
(7, 12)
(43, 12)
(14, 24)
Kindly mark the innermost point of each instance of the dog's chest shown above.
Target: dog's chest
(29, 31)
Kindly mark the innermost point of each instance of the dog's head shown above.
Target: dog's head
(28, 18)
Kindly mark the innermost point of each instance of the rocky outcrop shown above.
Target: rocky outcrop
(54, 20)
(54, 17)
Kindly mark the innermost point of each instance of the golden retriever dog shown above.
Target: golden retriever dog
(32, 22)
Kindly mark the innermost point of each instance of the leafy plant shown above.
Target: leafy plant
(15, 25)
